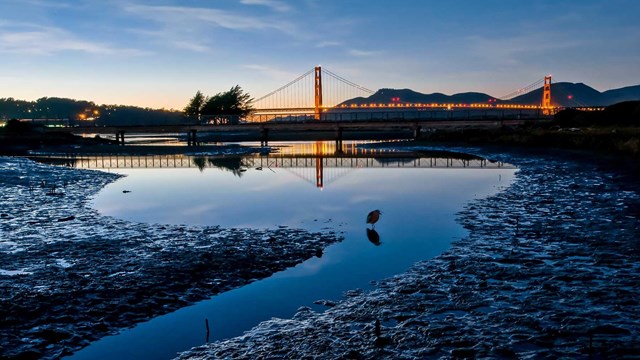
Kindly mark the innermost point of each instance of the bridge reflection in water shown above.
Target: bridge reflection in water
(318, 163)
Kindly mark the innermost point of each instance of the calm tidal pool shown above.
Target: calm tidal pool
(304, 185)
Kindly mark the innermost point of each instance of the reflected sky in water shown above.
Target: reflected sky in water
(418, 202)
(283, 189)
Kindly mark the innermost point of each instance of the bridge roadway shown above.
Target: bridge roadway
(264, 131)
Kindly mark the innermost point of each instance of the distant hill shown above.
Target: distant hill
(562, 94)
(628, 93)
(385, 96)
(80, 110)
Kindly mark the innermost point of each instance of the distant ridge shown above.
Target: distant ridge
(75, 110)
(564, 94)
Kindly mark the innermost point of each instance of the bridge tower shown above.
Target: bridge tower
(318, 92)
(546, 93)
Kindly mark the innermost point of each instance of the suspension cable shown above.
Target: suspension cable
(340, 78)
(285, 86)
(523, 90)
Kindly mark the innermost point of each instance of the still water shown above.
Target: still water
(303, 185)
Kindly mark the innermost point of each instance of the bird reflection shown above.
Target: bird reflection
(373, 236)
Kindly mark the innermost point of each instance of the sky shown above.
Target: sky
(159, 53)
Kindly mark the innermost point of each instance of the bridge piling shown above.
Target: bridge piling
(120, 137)
(339, 131)
(417, 131)
(191, 137)
(264, 137)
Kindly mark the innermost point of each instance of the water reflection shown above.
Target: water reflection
(373, 236)
(235, 164)
(319, 163)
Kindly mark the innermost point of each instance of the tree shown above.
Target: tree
(227, 106)
(195, 105)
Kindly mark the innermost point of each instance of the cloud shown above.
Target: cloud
(177, 16)
(194, 28)
(175, 39)
(362, 53)
(345, 47)
(272, 72)
(324, 44)
(44, 3)
(272, 4)
(514, 50)
(43, 40)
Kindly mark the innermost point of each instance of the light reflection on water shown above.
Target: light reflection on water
(419, 197)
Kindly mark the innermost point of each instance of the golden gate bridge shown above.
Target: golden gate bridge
(320, 94)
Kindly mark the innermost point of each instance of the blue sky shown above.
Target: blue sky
(158, 53)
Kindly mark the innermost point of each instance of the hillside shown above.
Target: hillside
(623, 94)
(623, 114)
(80, 110)
(409, 96)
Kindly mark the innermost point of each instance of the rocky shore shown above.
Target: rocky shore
(69, 276)
(549, 270)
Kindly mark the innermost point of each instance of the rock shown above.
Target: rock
(608, 330)
(464, 353)
(54, 335)
(327, 303)
(27, 355)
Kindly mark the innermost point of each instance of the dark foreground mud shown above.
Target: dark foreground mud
(69, 276)
(550, 270)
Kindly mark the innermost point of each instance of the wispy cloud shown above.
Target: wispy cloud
(194, 28)
(44, 3)
(275, 73)
(275, 5)
(182, 40)
(515, 49)
(189, 16)
(45, 40)
(324, 44)
(344, 47)
(362, 53)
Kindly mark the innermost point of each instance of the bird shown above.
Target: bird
(373, 217)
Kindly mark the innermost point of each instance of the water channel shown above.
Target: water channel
(313, 186)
